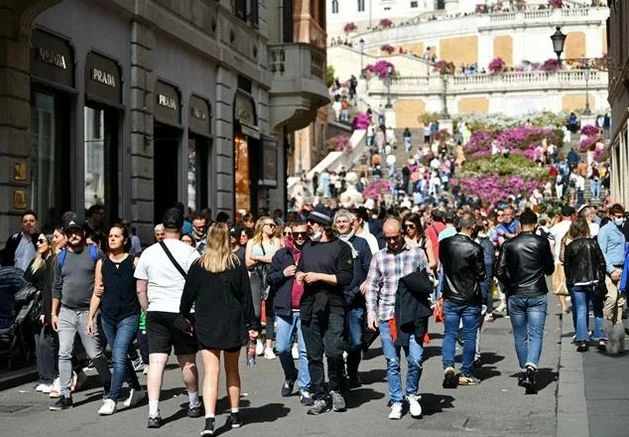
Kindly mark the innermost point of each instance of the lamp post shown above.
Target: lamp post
(361, 44)
(389, 78)
(559, 40)
(444, 114)
(587, 110)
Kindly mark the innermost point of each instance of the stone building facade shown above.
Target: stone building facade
(138, 104)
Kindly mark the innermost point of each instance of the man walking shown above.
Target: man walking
(463, 270)
(325, 268)
(73, 285)
(524, 262)
(161, 274)
(397, 260)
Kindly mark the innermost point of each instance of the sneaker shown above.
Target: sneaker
(295, 351)
(235, 420)
(478, 363)
(521, 378)
(43, 387)
(196, 411)
(529, 381)
(468, 380)
(583, 346)
(138, 365)
(413, 405)
(320, 406)
(108, 408)
(354, 381)
(287, 387)
(305, 398)
(78, 379)
(155, 422)
(63, 403)
(396, 411)
(269, 354)
(489, 317)
(135, 397)
(259, 348)
(338, 402)
(145, 371)
(449, 378)
(209, 426)
(55, 390)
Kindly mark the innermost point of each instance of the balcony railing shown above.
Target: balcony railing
(296, 60)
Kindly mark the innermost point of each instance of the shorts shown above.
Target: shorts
(162, 335)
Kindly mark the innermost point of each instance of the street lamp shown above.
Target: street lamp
(559, 40)
(587, 110)
(389, 78)
(444, 114)
(361, 44)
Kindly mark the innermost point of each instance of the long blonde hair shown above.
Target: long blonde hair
(38, 261)
(218, 255)
(258, 234)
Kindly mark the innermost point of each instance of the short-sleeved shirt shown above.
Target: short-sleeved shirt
(165, 282)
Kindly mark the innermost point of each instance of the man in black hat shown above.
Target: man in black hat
(325, 268)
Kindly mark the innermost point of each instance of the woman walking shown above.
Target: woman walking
(584, 265)
(258, 255)
(40, 274)
(414, 236)
(115, 293)
(218, 286)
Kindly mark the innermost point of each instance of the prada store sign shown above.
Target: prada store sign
(167, 104)
(102, 79)
(245, 115)
(52, 58)
(199, 116)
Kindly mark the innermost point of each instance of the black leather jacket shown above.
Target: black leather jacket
(523, 263)
(584, 262)
(464, 268)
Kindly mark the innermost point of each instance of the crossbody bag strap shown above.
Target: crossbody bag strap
(173, 260)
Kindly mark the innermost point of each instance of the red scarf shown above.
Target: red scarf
(298, 287)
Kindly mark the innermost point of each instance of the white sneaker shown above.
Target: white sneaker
(396, 411)
(295, 351)
(46, 389)
(146, 370)
(259, 348)
(55, 390)
(413, 405)
(40, 387)
(135, 396)
(269, 354)
(108, 408)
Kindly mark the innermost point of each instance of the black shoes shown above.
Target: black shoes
(449, 378)
(583, 346)
(235, 420)
(287, 387)
(195, 411)
(155, 422)
(528, 382)
(63, 403)
(354, 381)
(209, 426)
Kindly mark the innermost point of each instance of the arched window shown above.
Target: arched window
(361, 5)
(335, 6)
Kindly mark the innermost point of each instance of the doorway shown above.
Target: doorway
(165, 169)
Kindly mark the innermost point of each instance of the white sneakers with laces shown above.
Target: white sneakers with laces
(108, 408)
(413, 405)
(135, 396)
(396, 411)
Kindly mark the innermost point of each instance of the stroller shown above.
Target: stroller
(17, 340)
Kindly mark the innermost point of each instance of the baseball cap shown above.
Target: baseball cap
(321, 218)
(73, 224)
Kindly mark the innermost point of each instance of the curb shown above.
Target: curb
(572, 414)
(14, 378)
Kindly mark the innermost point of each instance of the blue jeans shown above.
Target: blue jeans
(528, 316)
(414, 357)
(453, 313)
(286, 327)
(120, 335)
(355, 322)
(581, 297)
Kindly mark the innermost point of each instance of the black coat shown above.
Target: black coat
(7, 255)
(412, 307)
(584, 262)
(280, 284)
(463, 263)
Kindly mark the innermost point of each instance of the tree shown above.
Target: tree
(329, 76)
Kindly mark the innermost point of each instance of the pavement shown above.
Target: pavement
(580, 394)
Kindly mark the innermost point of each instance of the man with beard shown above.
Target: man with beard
(21, 247)
(286, 306)
(325, 268)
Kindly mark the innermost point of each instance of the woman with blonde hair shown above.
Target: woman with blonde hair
(218, 286)
(258, 255)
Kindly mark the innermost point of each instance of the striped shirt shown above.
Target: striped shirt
(385, 272)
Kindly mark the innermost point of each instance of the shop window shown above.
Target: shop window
(414, 5)
(94, 131)
(335, 7)
(197, 172)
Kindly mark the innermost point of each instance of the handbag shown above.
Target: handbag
(263, 271)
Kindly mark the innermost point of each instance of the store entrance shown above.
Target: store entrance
(165, 169)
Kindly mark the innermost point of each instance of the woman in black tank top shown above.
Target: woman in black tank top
(115, 294)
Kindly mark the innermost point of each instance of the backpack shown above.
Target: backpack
(64, 253)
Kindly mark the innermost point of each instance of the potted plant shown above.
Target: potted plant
(445, 67)
(496, 65)
(387, 48)
(385, 22)
(349, 27)
(555, 3)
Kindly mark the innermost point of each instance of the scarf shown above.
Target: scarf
(298, 287)
(346, 238)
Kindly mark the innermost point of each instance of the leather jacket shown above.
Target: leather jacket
(523, 263)
(464, 268)
(584, 262)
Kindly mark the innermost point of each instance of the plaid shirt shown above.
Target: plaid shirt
(385, 272)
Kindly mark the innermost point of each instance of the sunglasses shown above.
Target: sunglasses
(271, 225)
(42, 241)
(286, 234)
(394, 238)
(410, 225)
(300, 234)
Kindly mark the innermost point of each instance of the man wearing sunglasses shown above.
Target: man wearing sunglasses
(286, 306)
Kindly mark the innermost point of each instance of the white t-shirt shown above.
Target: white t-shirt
(165, 282)
(558, 232)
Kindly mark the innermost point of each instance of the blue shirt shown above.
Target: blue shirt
(449, 231)
(612, 243)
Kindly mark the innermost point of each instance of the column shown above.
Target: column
(224, 147)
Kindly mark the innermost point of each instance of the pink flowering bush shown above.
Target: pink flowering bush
(496, 65)
(520, 140)
(387, 48)
(602, 155)
(349, 27)
(380, 68)
(589, 130)
(555, 3)
(551, 64)
(385, 22)
(374, 189)
(338, 143)
(491, 187)
(445, 67)
(361, 121)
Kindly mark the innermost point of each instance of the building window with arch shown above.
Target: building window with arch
(335, 6)
(361, 5)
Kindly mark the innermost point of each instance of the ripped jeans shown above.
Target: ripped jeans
(414, 356)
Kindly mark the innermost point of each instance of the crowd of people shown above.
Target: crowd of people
(325, 278)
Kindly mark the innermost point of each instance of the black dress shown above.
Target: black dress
(223, 307)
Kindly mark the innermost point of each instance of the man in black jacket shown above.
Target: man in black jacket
(523, 263)
(326, 268)
(286, 305)
(21, 247)
(463, 269)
